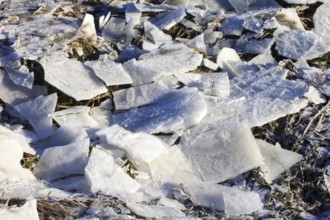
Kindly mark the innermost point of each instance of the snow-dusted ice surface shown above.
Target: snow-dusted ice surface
(27, 211)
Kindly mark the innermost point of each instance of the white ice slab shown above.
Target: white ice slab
(287, 19)
(104, 176)
(14, 94)
(210, 64)
(321, 21)
(276, 159)
(263, 59)
(27, 211)
(61, 161)
(227, 60)
(171, 203)
(155, 211)
(174, 111)
(232, 26)
(169, 59)
(241, 6)
(297, 44)
(88, 28)
(77, 116)
(216, 84)
(155, 34)
(36, 112)
(222, 150)
(141, 95)
(314, 96)
(113, 29)
(232, 201)
(66, 135)
(20, 75)
(167, 20)
(71, 77)
(141, 148)
(20, 138)
(110, 72)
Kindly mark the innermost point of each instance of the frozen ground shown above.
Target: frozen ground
(170, 109)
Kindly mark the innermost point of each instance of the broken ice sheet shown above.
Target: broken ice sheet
(114, 28)
(276, 159)
(104, 176)
(227, 59)
(14, 94)
(232, 26)
(167, 20)
(36, 112)
(156, 211)
(321, 21)
(156, 35)
(169, 59)
(61, 161)
(71, 77)
(77, 116)
(232, 201)
(297, 44)
(110, 72)
(222, 150)
(27, 211)
(171, 112)
(20, 75)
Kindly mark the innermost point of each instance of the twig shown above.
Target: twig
(315, 117)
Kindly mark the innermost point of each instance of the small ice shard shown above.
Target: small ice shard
(276, 159)
(113, 29)
(141, 95)
(61, 161)
(227, 60)
(268, 95)
(173, 167)
(216, 84)
(259, 46)
(232, 201)
(210, 64)
(104, 176)
(156, 35)
(155, 211)
(20, 138)
(141, 148)
(167, 20)
(287, 19)
(172, 203)
(173, 111)
(232, 26)
(297, 44)
(27, 211)
(321, 21)
(71, 77)
(20, 75)
(103, 20)
(221, 150)
(36, 112)
(314, 96)
(77, 116)
(14, 94)
(169, 59)
(241, 6)
(198, 42)
(88, 29)
(263, 59)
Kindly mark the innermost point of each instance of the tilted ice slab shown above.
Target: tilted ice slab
(228, 59)
(173, 111)
(110, 72)
(71, 77)
(321, 21)
(61, 161)
(301, 44)
(168, 60)
(222, 150)
(14, 94)
(27, 211)
(168, 19)
(268, 95)
(241, 6)
(276, 159)
(104, 176)
(77, 116)
(232, 201)
(36, 112)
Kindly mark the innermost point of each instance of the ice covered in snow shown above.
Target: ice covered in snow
(36, 112)
(276, 159)
(169, 59)
(232, 201)
(27, 211)
(173, 111)
(71, 77)
(321, 21)
(110, 72)
(221, 150)
(88, 29)
(61, 161)
(66, 135)
(296, 44)
(77, 116)
(314, 96)
(104, 176)
(227, 59)
(14, 94)
(102, 116)
(155, 211)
